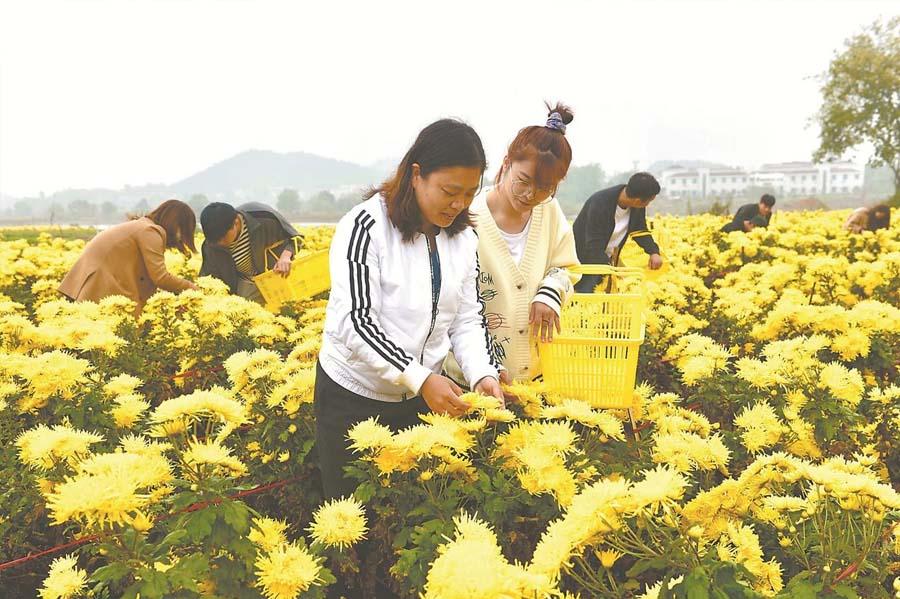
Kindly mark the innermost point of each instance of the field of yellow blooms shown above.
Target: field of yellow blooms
(172, 455)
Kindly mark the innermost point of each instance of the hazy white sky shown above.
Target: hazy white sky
(104, 93)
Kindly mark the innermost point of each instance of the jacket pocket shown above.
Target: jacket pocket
(341, 349)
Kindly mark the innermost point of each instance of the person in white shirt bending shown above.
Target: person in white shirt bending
(606, 221)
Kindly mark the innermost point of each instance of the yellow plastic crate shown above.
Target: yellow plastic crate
(309, 277)
(595, 356)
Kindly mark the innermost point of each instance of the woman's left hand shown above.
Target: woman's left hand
(491, 386)
(543, 319)
(283, 266)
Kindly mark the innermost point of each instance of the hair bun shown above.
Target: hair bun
(566, 113)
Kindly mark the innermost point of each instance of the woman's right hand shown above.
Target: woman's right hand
(505, 379)
(442, 396)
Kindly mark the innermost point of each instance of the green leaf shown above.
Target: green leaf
(402, 537)
(801, 589)
(187, 571)
(173, 538)
(236, 514)
(844, 590)
(183, 500)
(154, 584)
(221, 534)
(112, 572)
(664, 591)
(305, 449)
(696, 584)
(420, 510)
(132, 592)
(326, 577)
(645, 564)
(199, 524)
(365, 492)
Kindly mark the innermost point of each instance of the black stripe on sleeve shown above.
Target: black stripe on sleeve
(361, 302)
(551, 292)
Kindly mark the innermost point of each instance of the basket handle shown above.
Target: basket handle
(270, 251)
(605, 269)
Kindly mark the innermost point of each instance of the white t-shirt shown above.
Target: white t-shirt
(619, 231)
(516, 241)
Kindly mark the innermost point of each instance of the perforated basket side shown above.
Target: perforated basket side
(600, 373)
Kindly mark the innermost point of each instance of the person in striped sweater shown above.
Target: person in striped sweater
(236, 244)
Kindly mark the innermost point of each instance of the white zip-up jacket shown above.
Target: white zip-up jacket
(385, 328)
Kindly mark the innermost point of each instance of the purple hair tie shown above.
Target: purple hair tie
(555, 121)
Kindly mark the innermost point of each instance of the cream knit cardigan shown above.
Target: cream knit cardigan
(508, 289)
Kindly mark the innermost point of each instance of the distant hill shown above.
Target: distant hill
(252, 175)
(262, 169)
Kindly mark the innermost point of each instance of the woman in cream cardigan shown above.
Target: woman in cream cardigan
(525, 245)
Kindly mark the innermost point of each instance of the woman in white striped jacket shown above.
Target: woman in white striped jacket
(404, 291)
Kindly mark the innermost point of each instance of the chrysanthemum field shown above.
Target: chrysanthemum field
(172, 455)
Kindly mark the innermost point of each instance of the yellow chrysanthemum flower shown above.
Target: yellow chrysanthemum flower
(245, 368)
(661, 488)
(472, 565)
(688, 451)
(214, 403)
(43, 446)
(286, 571)
(844, 383)
(213, 453)
(96, 501)
(339, 523)
(267, 533)
(369, 434)
(138, 445)
(128, 409)
(297, 388)
(50, 374)
(583, 413)
(851, 344)
(65, 579)
(760, 427)
(122, 384)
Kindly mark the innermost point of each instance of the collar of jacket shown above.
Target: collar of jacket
(257, 253)
(633, 213)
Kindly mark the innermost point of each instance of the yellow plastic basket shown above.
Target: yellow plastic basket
(632, 255)
(595, 356)
(309, 277)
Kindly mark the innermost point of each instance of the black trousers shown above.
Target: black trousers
(337, 410)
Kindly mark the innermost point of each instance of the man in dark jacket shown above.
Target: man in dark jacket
(608, 219)
(239, 242)
(750, 216)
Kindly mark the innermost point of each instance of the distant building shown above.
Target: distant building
(784, 178)
(807, 178)
(703, 182)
